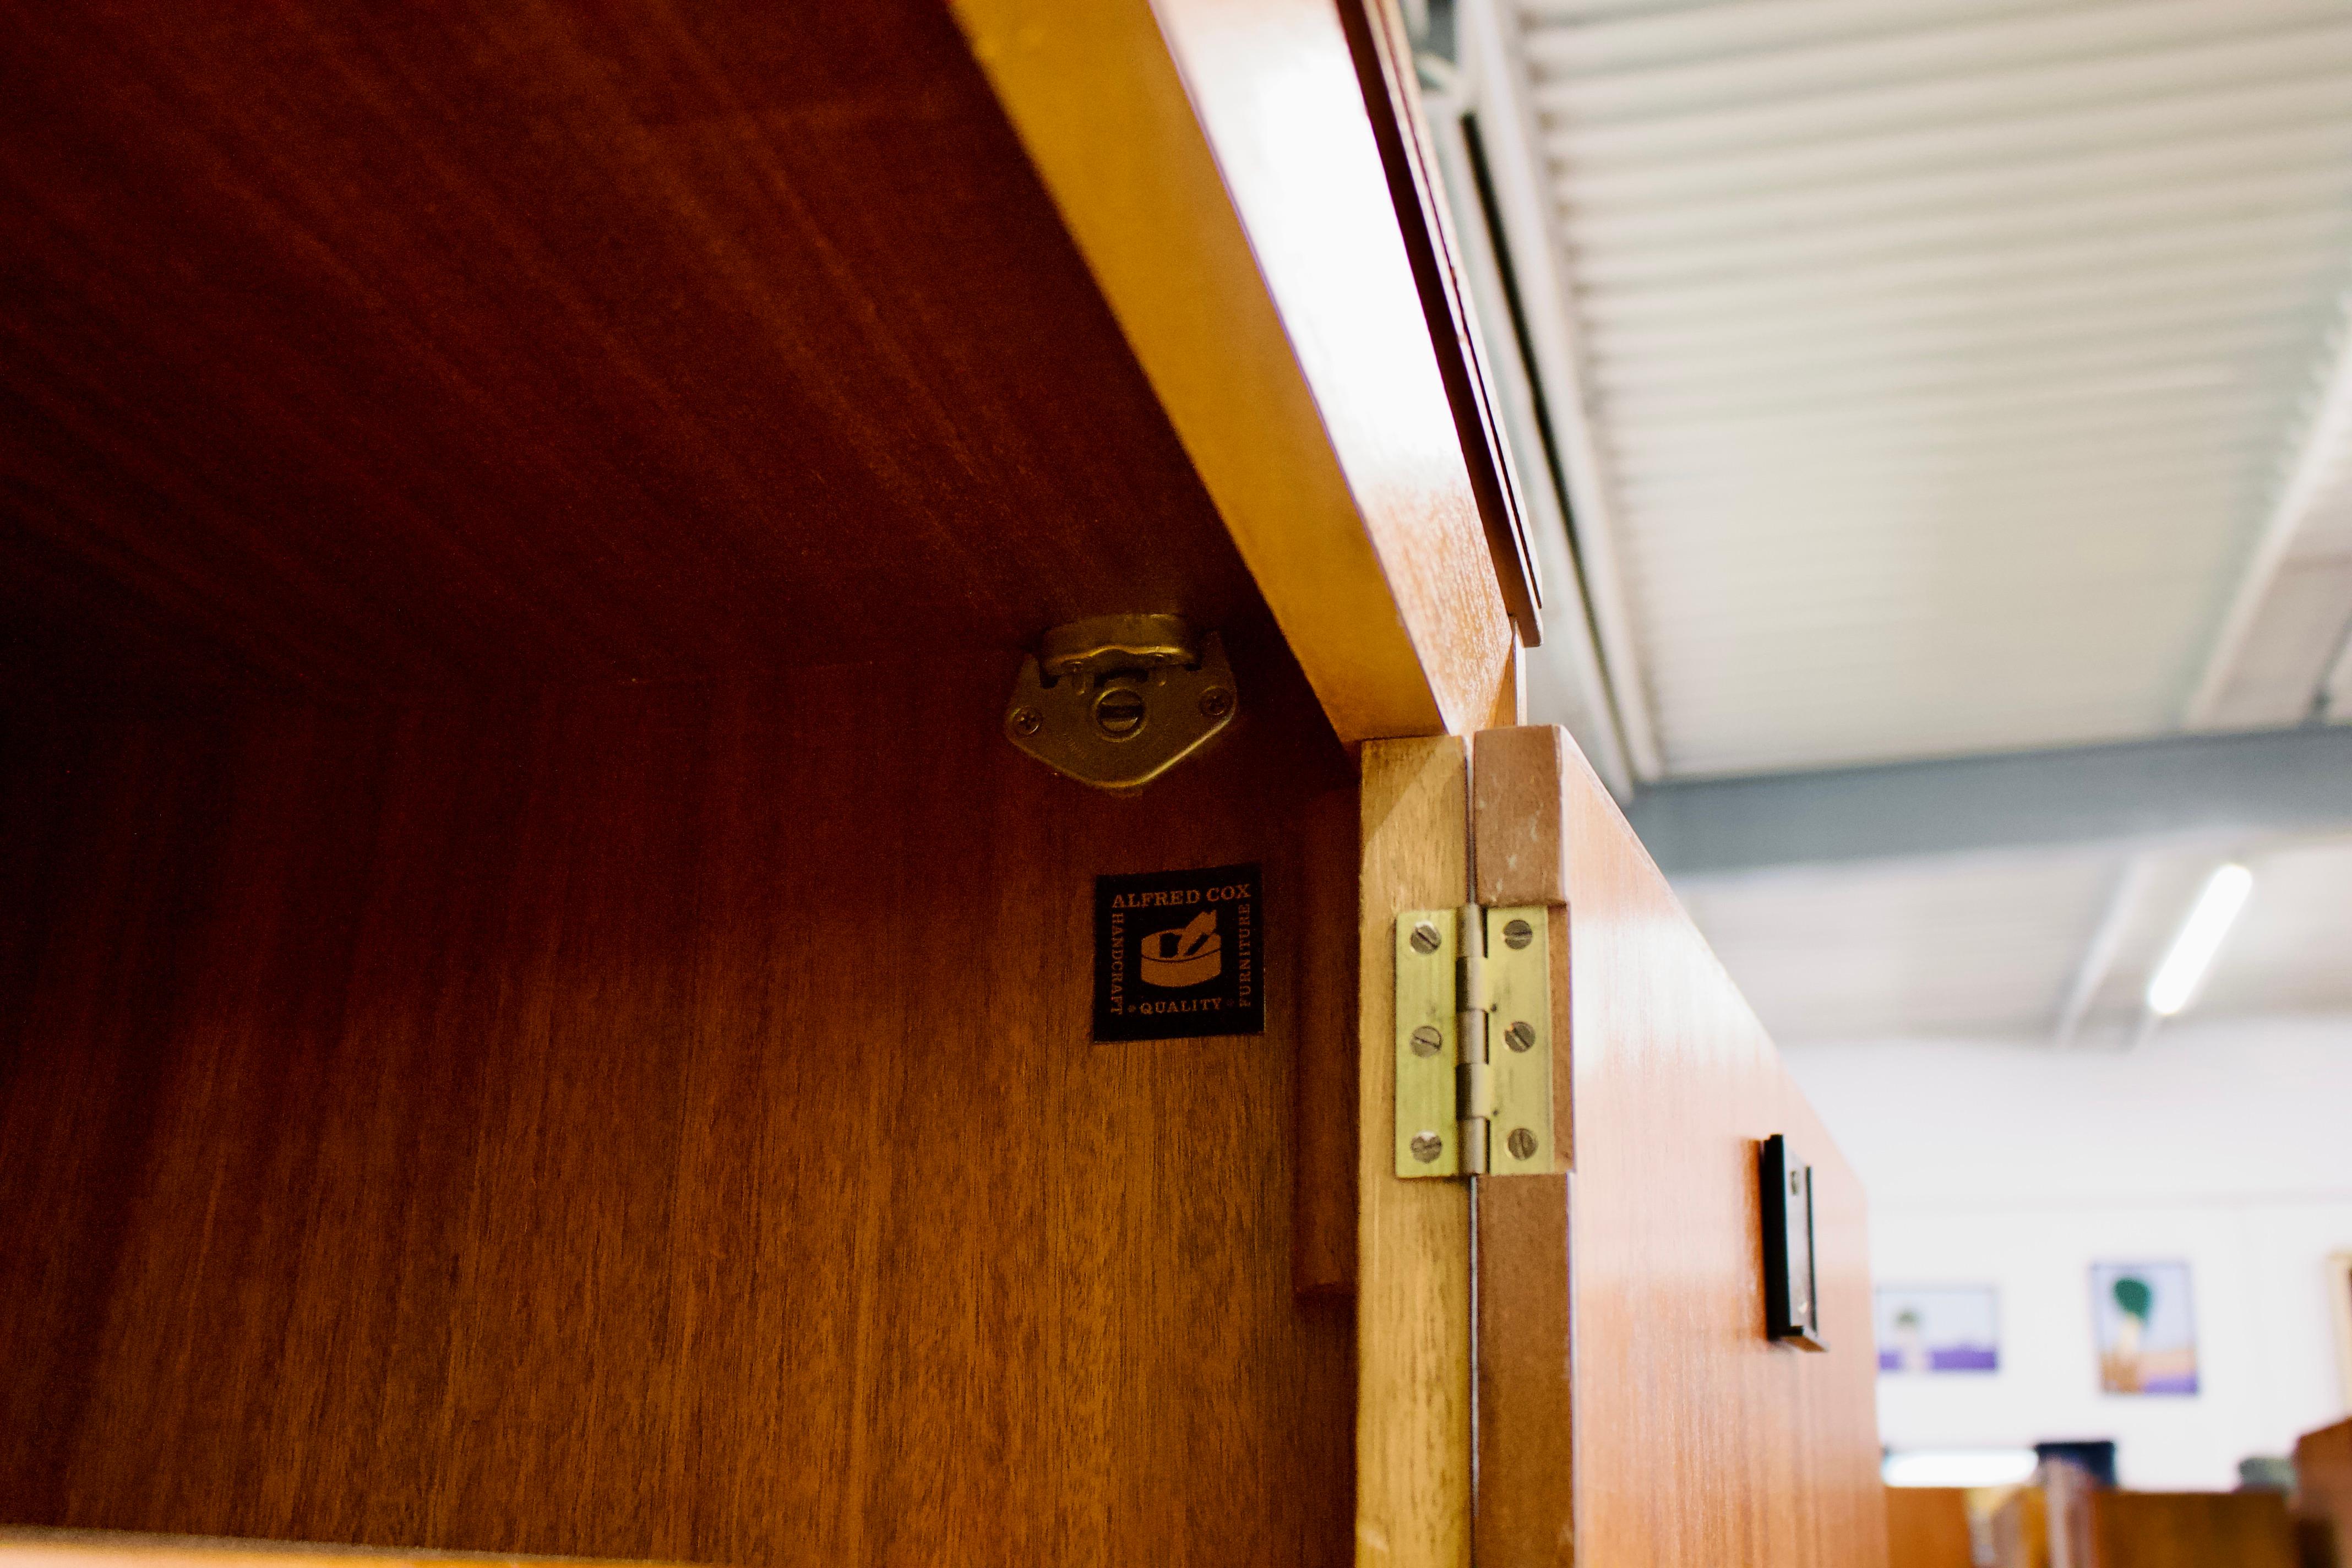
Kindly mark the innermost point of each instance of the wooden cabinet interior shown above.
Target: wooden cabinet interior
(537, 1011)
(650, 1121)
(568, 343)
(2189, 1529)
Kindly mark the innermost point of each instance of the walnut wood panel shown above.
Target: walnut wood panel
(1695, 1439)
(1413, 1300)
(649, 1123)
(380, 351)
(1927, 1527)
(1217, 163)
(2190, 1530)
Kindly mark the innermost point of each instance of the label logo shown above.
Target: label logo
(1177, 955)
(1186, 955)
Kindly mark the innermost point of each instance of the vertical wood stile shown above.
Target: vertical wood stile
(1413, 1304)
(1526, 1501)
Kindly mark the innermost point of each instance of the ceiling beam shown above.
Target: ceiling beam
(2147, 793)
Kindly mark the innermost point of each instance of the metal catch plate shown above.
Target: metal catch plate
(1518, 979)
(1117, 700)
(1426, 1136)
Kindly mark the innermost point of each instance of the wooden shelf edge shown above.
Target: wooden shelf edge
(1217, 169)
(27, 1546)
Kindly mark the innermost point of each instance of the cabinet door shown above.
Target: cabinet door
(1630, 1408)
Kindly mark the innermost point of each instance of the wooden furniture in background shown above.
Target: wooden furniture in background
(2323, 1494)
(2189, 1529)
(1927, 1527)
(2020, 1530)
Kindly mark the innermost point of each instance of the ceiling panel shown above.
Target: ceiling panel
(1943, 358)
(1982, 948)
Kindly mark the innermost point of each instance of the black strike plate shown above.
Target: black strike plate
(1791, 1306)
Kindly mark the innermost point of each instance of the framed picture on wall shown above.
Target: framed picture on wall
(1938, 1328)
(2339, 1300)
(2146, 1328)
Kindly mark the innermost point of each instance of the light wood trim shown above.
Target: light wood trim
(1243, 234)
(1413, 1302)
(24, 1547)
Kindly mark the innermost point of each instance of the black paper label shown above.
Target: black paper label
(1177, 956)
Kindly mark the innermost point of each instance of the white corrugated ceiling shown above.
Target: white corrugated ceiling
(1942, 359)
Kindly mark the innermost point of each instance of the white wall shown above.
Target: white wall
(2228, 1145)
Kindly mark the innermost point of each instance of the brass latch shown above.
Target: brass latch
(1474, 1041)
(1117, 700)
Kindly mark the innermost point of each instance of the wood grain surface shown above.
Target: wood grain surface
(562, 340)
(649, 1123)
(1324, 1261)
(1695, 1441)
(1413, 1299)
(37, 1548)
(1927, 1527)
(1527, 1417)
(2190, 1530)
(1215, 162)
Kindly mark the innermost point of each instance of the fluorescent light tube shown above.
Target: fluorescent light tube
(2200, 937)
(1959, 1468)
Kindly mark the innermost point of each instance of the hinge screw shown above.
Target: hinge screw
(1216, 702)
(1427, 1146)
(1522, 1144)
(1519, 1036)
(1027, 720)
(1517, 934)
(1425, 938)
(1426, 1039)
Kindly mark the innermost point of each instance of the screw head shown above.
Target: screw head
(1216, 702)
(1027, 720)
(1425, 938)
(1427, 1146)
(1426, 1039)
(1119, 712)
(1522, 1144)
(1517, 934)
(1520, 1036)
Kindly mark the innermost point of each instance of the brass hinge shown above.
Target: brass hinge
(1474, 1041)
